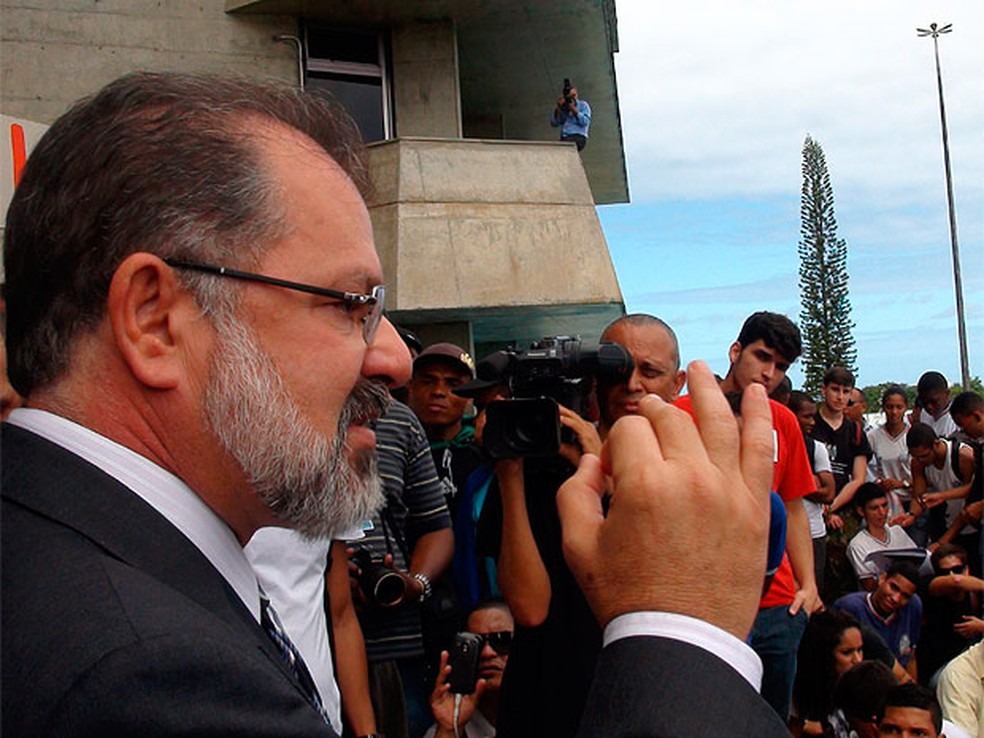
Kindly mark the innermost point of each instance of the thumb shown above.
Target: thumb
(581, 514)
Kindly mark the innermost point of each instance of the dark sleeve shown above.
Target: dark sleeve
(661, 688)
(184, 686)
(875, 648)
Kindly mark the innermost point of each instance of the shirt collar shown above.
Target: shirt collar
(160, 489)
(871, 608)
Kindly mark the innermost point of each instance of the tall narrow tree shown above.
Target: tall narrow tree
(825, 317)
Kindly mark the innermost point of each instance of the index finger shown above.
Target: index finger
(757, 441)
(715, 421)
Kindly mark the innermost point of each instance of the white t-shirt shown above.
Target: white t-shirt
(814, 510)
(291, 571)
(864, 543)
(944, 425)
(477, 727)
(891, 461)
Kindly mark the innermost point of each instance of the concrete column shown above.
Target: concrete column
(458, 333)
(425, 79)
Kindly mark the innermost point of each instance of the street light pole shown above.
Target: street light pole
(935, 32)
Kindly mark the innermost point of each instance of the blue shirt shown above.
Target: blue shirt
(900, 630)
(573, 124)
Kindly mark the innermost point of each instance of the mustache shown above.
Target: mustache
(366, 402)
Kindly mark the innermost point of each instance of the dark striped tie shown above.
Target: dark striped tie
(288, 651)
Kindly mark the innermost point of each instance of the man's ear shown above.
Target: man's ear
(734, 352)
(143, 304)
(678, 382)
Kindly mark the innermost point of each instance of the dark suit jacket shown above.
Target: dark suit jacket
(114, 624)
(662, 688)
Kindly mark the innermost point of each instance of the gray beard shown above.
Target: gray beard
(306, 479)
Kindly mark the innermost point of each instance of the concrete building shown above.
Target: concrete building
(485, 223)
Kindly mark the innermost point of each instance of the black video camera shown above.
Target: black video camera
(555, 370)
(568, 98)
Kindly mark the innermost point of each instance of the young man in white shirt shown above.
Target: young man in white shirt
(871, 502)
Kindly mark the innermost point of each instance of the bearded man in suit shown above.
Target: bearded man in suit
(195, 321)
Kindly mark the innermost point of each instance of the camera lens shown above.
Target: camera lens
(389, 589)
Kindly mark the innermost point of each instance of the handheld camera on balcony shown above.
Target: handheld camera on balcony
(568, 98)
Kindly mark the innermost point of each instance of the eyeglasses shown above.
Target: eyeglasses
(954, 570)
(375, 300)
(500, 641)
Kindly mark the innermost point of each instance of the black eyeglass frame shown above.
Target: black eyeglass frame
(375, 299)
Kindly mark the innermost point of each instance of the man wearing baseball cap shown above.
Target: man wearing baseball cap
(437, 371)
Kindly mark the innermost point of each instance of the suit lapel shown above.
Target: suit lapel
(57, 484)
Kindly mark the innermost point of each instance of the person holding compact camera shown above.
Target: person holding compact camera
(572, 116)
(465, 701)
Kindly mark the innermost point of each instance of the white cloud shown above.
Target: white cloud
(716, 99)
(717, 96)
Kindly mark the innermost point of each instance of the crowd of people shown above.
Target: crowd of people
(198, 538)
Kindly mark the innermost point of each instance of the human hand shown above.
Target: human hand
(972, 512)
(971, 627)
(807, 599)
(931, 500)
(686, 498)
(588, 440)
(413, 588)
(835, 521)
(442, 702)
(903, 519)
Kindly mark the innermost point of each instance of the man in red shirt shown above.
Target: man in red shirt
(765, 348)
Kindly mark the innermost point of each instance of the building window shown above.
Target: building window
(352, 66)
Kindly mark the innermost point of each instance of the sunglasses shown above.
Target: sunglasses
(500, 641)
(954, 569)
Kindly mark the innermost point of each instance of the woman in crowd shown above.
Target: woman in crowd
(830, 646)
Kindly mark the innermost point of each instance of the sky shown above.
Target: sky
(716, 100)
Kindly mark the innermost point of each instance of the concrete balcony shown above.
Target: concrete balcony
(498, 236)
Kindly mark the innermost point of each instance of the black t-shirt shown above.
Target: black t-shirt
(550, 667)
(843, 445)
(938, 641)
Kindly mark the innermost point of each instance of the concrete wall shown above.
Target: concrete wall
(480, 223)
(425, 79)
(53, 52)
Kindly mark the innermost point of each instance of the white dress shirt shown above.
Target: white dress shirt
(737, 654)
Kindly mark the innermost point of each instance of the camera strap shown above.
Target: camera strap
(392, 533)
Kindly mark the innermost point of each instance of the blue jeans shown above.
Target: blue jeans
(775, 638)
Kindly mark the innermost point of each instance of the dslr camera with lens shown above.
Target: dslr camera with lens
(380, 584)
(555, 370)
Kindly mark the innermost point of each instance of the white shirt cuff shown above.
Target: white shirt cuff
(737, 654)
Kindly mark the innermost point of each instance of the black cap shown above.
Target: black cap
(446, 352)
(490, 371)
